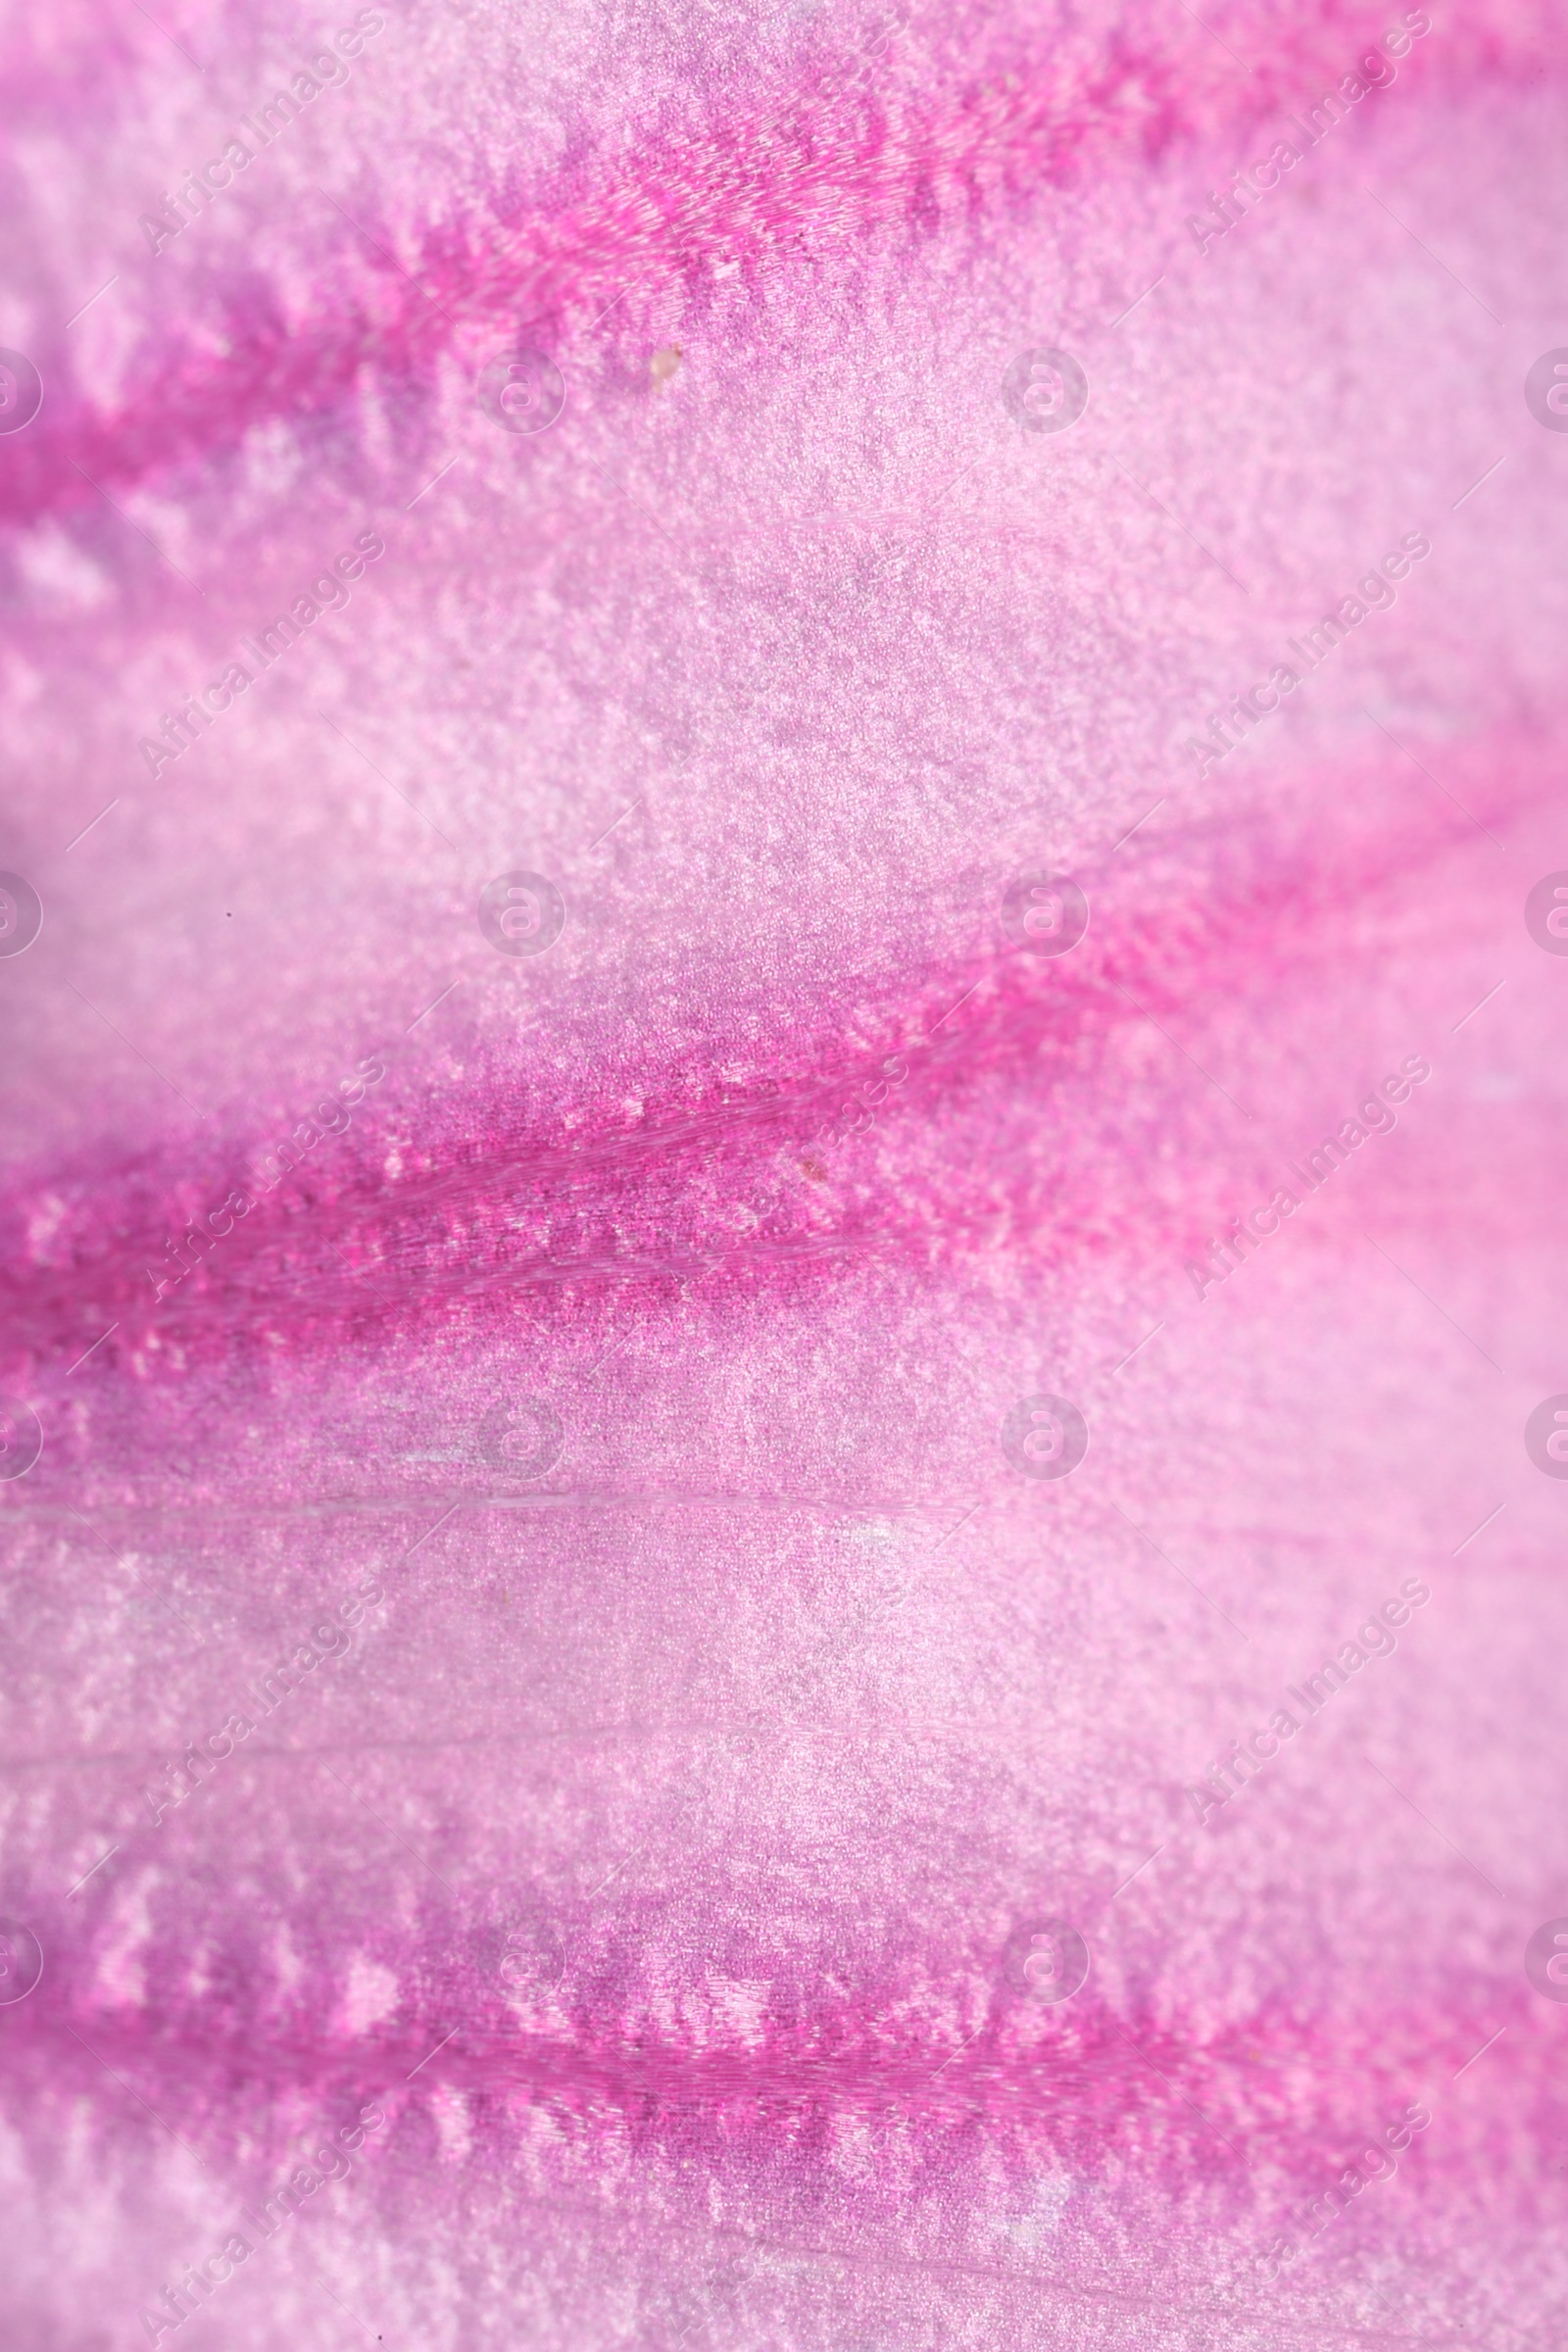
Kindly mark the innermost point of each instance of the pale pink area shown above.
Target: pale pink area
(668, 1712)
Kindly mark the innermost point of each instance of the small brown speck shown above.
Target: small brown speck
(663, 364)
(814, 1169)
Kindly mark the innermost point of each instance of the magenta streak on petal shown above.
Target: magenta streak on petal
(497, 1214)
(739, 190)
(651, 1821)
